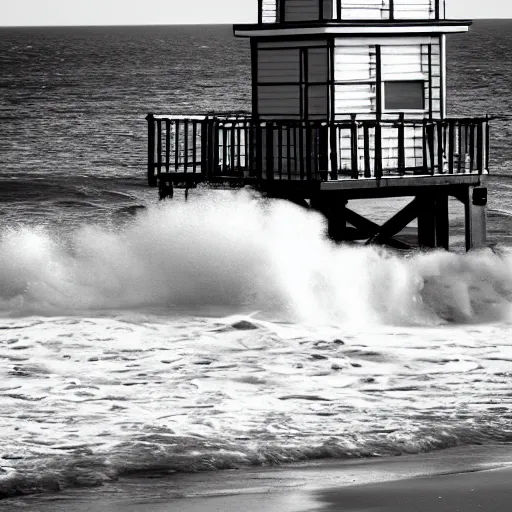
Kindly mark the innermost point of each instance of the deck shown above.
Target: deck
(312, 155)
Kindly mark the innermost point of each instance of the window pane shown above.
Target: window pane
(404, 95)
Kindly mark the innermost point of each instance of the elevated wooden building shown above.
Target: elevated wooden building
(348, 102)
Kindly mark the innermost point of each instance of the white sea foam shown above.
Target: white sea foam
(109, 362)
(237, 251)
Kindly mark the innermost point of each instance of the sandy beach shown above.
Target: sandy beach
(462, 479)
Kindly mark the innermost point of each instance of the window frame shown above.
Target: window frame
(413, 77)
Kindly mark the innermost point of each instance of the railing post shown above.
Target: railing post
(440, 148)
(487, 143)
(185, 145)
(269, 149)
(152, 179)
(167, 145)
(309, 150)
(259, 150)
(480, 147)
(378, 150)
(215, 165)
(425, 146)
(401, 145)
(159, 146)
(431, 131)
(354, 142)
(451, 154)
(333, 142)
(367, 156)
(205, 145)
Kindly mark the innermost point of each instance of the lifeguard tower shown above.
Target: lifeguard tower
(348, 102)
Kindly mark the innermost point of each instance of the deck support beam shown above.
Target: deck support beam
(394, 225)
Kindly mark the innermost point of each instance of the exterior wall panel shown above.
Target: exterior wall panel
(308, 10)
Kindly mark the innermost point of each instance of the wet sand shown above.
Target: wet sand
(461, 479)
(482, 491)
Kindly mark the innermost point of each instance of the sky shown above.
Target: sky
(167, 12)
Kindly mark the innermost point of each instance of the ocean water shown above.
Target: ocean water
(225, 331)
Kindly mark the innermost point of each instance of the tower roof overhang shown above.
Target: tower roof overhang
(352, 28)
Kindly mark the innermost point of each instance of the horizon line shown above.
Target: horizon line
(107, 25)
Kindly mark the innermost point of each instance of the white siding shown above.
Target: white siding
(353, 65)
(401, 62)
(307, 10)
(414, 9)
(363, 9)
(269, 12)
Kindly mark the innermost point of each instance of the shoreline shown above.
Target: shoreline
(413, 482)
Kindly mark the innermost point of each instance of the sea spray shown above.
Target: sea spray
(239, 252)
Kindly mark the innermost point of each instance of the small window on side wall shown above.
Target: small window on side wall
(404, 95)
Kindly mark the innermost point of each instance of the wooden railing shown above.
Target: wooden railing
(276, 11)
(190, 150)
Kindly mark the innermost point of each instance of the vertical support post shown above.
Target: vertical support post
(426, 220)
(475, 212)
(442, 221)
(152, 179)
(332, 206)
